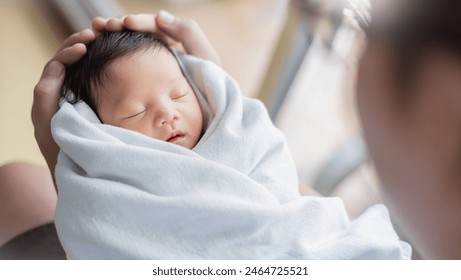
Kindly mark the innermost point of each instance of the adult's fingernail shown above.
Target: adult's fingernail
(166, 17)
(54, 68)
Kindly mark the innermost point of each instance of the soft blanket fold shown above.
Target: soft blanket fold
(123, 195)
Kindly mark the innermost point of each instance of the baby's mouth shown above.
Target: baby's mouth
(175, 137)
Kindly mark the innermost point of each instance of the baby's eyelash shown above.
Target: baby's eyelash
(137, 114)
(182, 95)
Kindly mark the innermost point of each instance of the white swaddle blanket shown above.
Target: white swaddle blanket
(123, 195)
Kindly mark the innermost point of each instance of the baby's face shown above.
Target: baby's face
(147, 92)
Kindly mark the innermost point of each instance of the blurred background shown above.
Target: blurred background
(299, 57)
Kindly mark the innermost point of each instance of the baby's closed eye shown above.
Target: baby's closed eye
(178, 95)
(136, 114)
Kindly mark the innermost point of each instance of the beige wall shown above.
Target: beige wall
(26, 45)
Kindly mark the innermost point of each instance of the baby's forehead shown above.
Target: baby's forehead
(147, 54)
(143, 71)
(134, 63)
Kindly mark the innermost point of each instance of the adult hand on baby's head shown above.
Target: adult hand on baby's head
(47, 92)
(176, 31)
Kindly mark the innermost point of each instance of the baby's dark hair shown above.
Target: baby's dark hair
(89, 73)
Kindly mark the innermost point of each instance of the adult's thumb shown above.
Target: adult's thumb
(165, 18)
(47, 92)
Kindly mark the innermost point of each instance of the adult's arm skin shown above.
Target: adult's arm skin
(176, 31)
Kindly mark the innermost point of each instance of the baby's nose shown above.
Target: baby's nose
(164, 116)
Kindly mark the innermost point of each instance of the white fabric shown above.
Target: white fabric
(123, 195)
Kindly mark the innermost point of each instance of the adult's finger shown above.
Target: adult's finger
(141, 23)
(98, 24)
(47, 93)
(147, 23)
(71, 54)
(177, 32)
(83, 37)
(189, 33)
(114, 24)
